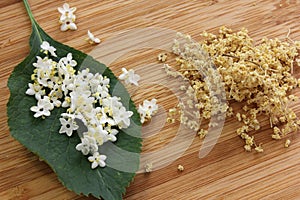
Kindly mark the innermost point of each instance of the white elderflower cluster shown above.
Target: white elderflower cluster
(147, 110)
(86, 97)
(67, 18)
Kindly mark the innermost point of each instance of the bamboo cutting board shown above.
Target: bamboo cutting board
(227, 172)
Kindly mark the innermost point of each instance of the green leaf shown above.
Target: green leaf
(42, 138)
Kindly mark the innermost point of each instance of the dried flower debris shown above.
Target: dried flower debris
(259, 76)
(180, 168)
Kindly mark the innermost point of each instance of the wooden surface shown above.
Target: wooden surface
(227, 172)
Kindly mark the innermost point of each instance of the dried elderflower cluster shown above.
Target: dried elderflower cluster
(86, 97)
(259, 76)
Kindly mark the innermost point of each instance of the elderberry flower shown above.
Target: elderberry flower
(97, 160)
(122, 117)
(47, 48)
(68, 24)
(92, 38)
(68, 60)
(67, 18)
(88, 145)
(36, 90)
(148, 109)
(68, 126)
(129, 77)
(43, 107)
(66, 12)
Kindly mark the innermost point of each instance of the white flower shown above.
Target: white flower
(67, 61)
(92, 38)
(97, 160)
(148, 109)
(36, 90)
(44, 69)
(66, 12)
(43, 107)
(122, 117)
(68, 24)
(67, 18)
(46, 47)
(88, 145)
(129, 77)
(81, 101)
(68, 126)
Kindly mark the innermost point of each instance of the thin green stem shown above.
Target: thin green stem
(33, 22)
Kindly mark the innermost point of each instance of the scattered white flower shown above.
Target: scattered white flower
(68, 126)
(67, 18)
(92, 38)
(129, 77)
(97, 160)
(66, 12)
(47, 48)
(43, 107)
(68, 24)
(147, 110)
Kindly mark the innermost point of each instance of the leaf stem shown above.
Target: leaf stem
(29, 11)
(33, 22)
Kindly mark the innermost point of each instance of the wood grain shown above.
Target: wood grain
(227, 172)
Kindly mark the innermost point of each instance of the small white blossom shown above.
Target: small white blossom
(129, 77)
(148, 109)
(88, 145)
(122, 117)
(36, 90)
(97, 160)
(68, 61)
(47, 48)
(67, 18)
(67, 126)
(43, 107)
(92, 38)
(66, 12)
(68, 24)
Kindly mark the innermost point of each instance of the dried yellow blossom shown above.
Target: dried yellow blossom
(276, 136)
(148, 167)
(180, 168)
(287, 143)
(162, 57)
(259, 149)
